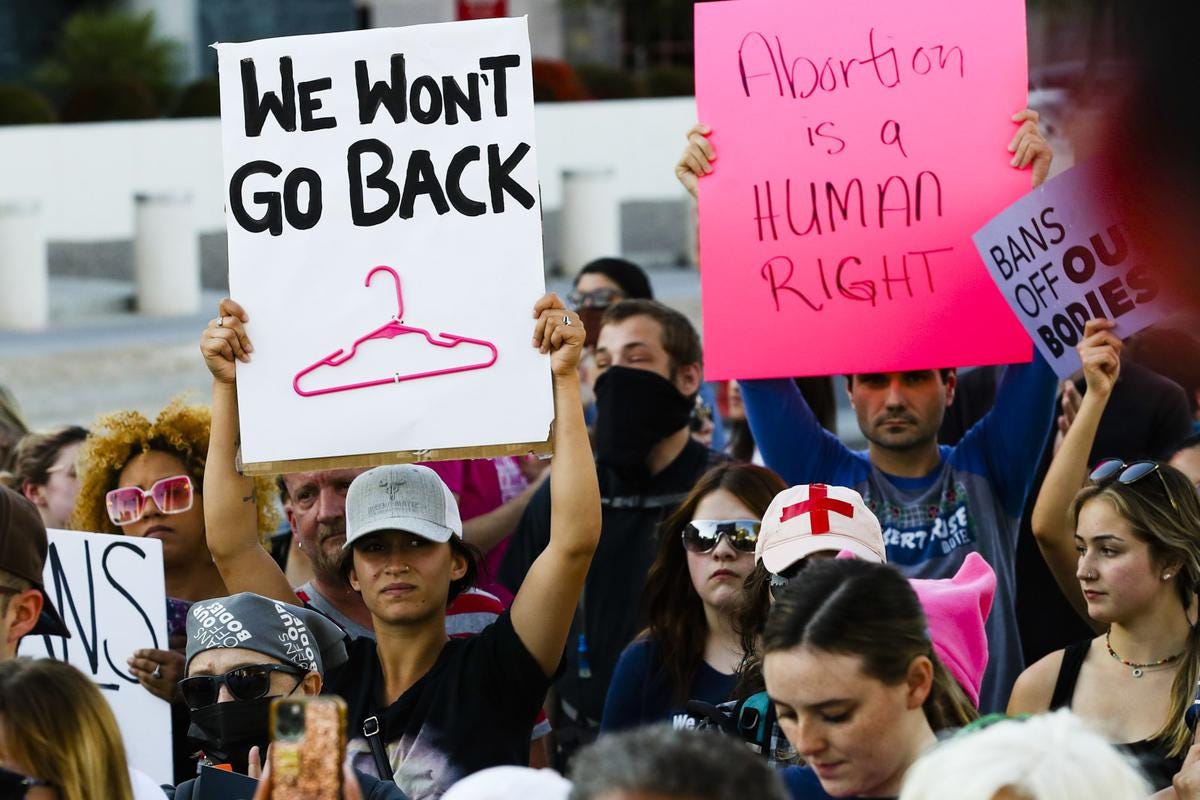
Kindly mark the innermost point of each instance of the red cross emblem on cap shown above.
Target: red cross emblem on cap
(819, 504)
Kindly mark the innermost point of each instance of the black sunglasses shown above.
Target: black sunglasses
(1111, 469)
(244, 683)
(702, 535)
(14, 785)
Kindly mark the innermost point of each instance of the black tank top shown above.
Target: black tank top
(1152, 755)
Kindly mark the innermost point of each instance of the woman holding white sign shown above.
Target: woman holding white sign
(426, 710)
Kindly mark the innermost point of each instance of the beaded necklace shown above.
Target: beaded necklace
(1139, 669)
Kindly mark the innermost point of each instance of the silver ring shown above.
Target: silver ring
(221, 322)
(566, 319)
(158, 671)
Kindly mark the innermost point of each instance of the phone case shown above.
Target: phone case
(308, 745)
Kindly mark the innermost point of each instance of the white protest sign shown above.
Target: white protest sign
(1061, 256)
(385, 240)
(109, 590)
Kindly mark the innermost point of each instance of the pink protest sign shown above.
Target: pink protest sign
(859, 145)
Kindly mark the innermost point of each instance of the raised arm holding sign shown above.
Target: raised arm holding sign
(406, 576)
(854, 153)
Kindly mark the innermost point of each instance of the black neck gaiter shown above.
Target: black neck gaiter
(226, 731)
(635, 410)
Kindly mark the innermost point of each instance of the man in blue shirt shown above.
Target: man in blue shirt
(935, 503)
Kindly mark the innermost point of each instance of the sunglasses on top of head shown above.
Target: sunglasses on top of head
(250, 682)
(702, 535)
(127, 504)
(15, 786)
(1114, 469)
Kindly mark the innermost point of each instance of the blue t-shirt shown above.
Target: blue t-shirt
(971, 501)
(803, 784)
(640, 692)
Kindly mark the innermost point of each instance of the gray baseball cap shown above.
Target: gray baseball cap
(401, 497)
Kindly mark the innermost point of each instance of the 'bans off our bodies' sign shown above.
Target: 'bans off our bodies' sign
(385, 240)
(859, 145)
(1061, 256)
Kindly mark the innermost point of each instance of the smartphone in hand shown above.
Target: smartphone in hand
(308, 746)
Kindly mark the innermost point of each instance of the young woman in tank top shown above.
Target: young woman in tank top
(1138, 535)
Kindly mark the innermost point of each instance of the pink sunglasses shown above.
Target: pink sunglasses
(127, 504)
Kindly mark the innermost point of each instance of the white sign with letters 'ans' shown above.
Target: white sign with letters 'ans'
(385, 239)
(1062, 255)
(110, 592)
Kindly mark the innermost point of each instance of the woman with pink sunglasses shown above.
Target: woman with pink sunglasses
(142, 478)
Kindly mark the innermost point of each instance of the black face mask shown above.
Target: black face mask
(227, 731)
(635, 410)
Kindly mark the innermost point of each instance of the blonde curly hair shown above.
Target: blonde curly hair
(180, 430)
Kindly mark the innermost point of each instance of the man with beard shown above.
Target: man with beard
(935, 503)
(241, 655)
(315, 503)
(648, 358)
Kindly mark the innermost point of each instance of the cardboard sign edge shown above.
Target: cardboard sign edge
(543, 448)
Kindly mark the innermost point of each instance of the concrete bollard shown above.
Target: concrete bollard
(591, 218)
(24, 280)
(166, 254)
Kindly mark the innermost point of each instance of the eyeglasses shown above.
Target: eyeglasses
(597, 298)
(244, 683)
(1115, 469)
(127, 504)
(702, 535)
(14, 785)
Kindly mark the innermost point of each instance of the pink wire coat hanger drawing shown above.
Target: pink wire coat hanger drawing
(390, 330)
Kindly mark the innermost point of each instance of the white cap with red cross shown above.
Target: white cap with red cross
(807, 519)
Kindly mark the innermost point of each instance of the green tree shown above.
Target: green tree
(110, 48)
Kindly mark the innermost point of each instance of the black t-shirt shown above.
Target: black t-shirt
(613, 589)
(474, 709)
